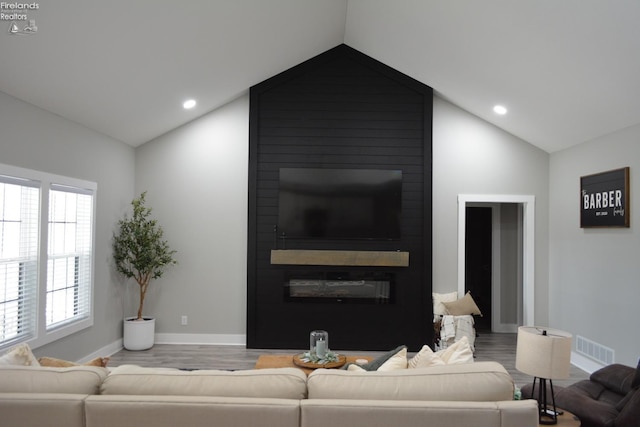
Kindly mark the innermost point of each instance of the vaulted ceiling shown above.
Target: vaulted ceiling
(567, 71)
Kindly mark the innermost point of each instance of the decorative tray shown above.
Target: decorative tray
(297, 360)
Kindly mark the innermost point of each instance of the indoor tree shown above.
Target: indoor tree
(139, 250)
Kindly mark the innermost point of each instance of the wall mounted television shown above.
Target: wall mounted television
(315, 203)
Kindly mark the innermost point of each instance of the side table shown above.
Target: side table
(567, 419)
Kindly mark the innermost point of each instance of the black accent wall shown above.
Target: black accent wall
(341, 109)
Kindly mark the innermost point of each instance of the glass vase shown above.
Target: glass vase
(319, 343)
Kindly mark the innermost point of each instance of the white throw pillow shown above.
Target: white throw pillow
(19, 355)
(395, 362)
(438, 308)
(457, 353)
(425, 358)
(355, 368)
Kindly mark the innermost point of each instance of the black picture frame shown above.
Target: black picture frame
(604, 199)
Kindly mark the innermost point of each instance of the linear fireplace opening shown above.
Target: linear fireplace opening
(340, 287)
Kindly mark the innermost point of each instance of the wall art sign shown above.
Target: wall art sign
(604, 199)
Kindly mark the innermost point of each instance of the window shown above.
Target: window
(46, 256)
(19, 204)
(69, 262)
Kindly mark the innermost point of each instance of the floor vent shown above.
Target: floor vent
(595, 351)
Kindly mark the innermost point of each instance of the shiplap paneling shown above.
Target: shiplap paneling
(341, 109)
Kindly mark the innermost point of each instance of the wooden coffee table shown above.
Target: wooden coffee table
(286, 361)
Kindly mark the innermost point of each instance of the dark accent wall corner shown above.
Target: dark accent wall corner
(341, 109)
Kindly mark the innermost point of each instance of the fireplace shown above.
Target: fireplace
(340, 287)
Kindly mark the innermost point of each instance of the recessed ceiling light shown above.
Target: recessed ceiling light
(499, 109)
(189, 104)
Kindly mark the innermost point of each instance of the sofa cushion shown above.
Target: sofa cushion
(385, 413)
(630, 414)
(480, 381)
(42, 409)
(616, 377)
(36, 379)
(581, 399)
(626, 399)
(190, 411)
(284, 383)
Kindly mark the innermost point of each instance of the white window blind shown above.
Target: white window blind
(69, 255)
(46, 256)
(19, 216)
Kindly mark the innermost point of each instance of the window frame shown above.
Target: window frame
(44, 334)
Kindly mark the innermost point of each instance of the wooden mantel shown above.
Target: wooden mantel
(348, 258)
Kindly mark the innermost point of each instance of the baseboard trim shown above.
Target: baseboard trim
(584, 363)
(107, 350)
(193, 339)
(505, 328)
(201, 339)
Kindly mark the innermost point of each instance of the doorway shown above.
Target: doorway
(511, 260)
(479, 262)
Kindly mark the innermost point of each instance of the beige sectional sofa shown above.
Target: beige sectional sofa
(454, 395)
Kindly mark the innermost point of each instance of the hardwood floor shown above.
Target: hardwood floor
(497, 347)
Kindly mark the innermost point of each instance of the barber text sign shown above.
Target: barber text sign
(604, 199)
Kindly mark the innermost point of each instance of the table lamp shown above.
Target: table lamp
(545, 354)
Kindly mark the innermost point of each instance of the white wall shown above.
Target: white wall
(35, 139)
(471, 156)
(197, 180)
(595, 273)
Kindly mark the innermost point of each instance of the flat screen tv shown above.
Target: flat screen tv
(339, 203)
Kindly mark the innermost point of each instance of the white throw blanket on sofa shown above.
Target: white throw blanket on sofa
(453, 328)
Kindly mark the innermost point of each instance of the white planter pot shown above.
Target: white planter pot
(139, 334)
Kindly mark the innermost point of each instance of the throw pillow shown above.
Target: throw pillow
(52, 362)
(392, 360)
(465, 305)
(457, 353)
(395, 362)
(19, 355)
(438, 299)
(425, 358)
(352, 367)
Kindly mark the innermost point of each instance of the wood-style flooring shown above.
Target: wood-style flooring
(489, 346)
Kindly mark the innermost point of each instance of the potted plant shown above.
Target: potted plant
(141, 253)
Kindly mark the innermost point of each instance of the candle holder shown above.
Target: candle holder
(319, 343)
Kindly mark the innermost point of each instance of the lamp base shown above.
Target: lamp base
(556, 412)
(546, 414)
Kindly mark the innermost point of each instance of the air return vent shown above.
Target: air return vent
(595, 351)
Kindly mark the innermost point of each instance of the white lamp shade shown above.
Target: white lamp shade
(543, 356)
